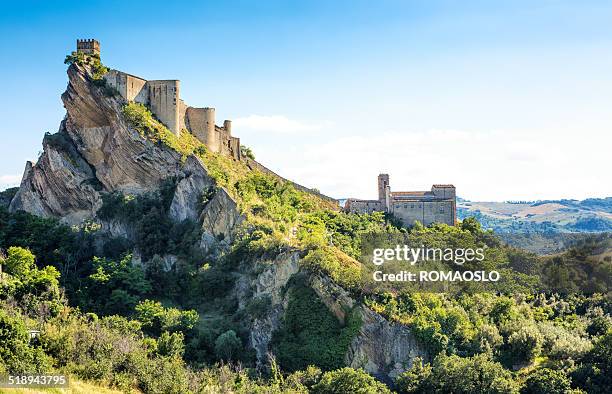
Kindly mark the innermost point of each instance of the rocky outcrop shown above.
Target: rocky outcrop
(219, 219)
(335, 298)
(187, 201)
(382, 348)
(60, 184)
(270, 283)
(96, 151)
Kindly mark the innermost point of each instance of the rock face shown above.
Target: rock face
(382, 348)
(270, 283)
(219, 218)
(96, 151)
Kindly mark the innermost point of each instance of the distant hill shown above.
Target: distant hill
(549, 216)
(544, 227)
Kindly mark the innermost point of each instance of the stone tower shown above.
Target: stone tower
(383, 182)
(89, 47)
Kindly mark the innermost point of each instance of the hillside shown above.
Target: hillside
(590, 215)
(148, 262)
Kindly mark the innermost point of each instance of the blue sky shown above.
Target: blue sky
(505, 99)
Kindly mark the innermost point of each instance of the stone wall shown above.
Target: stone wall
(426, 212)
(163, 100)
(129, 86)
(363, 206)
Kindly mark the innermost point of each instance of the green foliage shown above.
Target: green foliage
(546, 381)
(155, 318)
(247, 152)
(142, 120)
(93, 61)
(227, 346)
(171, 344)
(32, 288)
(310, 334)
(348, 380)
(471, 375)
(115, 287)
(595, 372)
(438, 323)
(17, 353)
(524, 344)
(335, 264)
(414, 380)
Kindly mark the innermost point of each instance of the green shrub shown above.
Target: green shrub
(524, 344)
(227, 346)
(310, 334)
(155, 318)
(546, 381)
(348, 380)
(414, 380)
(471, 375)
(17, 354)
(171, 344)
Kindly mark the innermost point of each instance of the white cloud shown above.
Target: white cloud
(9, 181)
(497, 165)
(275, 124)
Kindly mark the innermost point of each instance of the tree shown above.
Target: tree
(19, 262)
(116, 286)
(546, 381)
(349, 380)
(525, 344)
(595, 373)
(415, 380)
(227, 345)
(471, 375)
(171, 344)
(16, 353)
(155, 318)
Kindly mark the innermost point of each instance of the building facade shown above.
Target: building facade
(437, 205)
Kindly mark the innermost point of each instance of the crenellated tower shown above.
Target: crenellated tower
(89, 47)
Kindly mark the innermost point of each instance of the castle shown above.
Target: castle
(435, 206)
(163, 98)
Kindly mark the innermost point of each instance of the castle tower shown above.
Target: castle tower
(383, 183)
(163, 101)
(227, 125)
(201, 122)
(384, 191)
(89, 47)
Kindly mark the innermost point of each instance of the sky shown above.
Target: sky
(507, 100)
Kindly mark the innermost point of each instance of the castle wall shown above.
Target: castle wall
(426, 212)
(182, 110)
(136, 89)
(129, 86)
(443, 191)
(363, 206)
(201, 122)
(234, 147)
(163, 100)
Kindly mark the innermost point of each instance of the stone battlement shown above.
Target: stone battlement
(89, 47)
